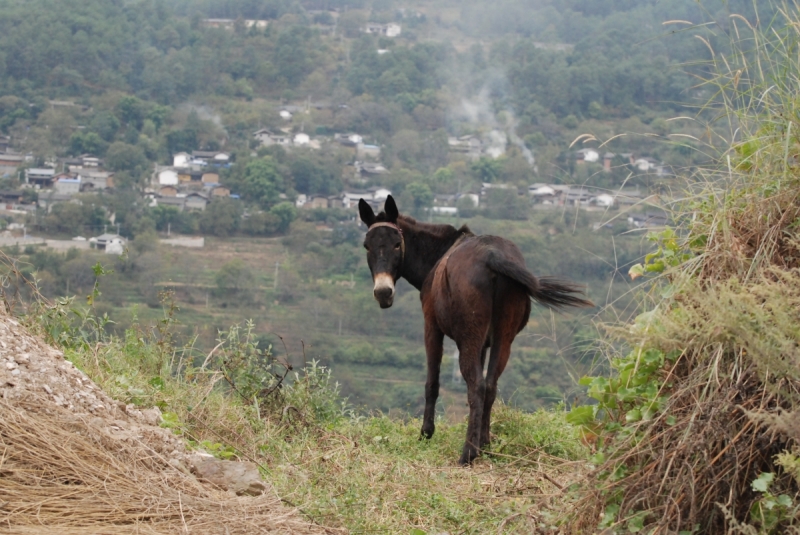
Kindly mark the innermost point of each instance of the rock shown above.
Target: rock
(151, 416)
(242, 478)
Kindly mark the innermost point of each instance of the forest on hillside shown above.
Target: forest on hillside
(151, 80)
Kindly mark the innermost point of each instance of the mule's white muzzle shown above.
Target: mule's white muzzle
(384, 289)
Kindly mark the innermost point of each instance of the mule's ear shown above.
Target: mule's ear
(392, 213)
(366, 213)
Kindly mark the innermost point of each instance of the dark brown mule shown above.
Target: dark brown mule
(474, 289)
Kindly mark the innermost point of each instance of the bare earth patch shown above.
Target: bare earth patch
(72, 460)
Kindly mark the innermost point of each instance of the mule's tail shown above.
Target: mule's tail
(548, 291)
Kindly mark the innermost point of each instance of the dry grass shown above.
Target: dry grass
(726, 416)
(731, 312)
(64, 474)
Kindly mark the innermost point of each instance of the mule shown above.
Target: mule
(474, 289)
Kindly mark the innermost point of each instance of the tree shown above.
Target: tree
(260, 224)
(106, 125)
(170, 218)
(131, 111)
(87, 143)
(75, 218)
(486, 169)
(286, 213)
(311, 178)
(124, 157)
(262, 183)
(235, 278)
(466, 207)
(507, 204)
(422, 195)
(181, 141)
(351, 22)
(221, 217)
(291, 56)
(158, 114)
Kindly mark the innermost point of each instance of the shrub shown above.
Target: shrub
(701, 405)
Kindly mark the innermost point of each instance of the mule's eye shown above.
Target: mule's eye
(397, 245)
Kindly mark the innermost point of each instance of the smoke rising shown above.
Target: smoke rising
(496, 129)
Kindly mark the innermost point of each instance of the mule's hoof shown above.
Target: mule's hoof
(426, 433)
(467, 457)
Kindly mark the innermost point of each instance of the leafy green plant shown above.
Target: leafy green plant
(250, 372)
(671, 252)
(770, 512)
(633, 393)
(218, 450)
(69, 325)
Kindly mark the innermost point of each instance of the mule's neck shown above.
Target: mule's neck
(425, 245)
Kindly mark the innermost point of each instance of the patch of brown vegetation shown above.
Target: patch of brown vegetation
(72, 460)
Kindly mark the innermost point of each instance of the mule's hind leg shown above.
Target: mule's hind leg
(470, 363)
(510, 315)
(483, 356)
(498, 358)
(433, 348)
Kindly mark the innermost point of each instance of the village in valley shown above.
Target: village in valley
(442, 153)
(195, 179)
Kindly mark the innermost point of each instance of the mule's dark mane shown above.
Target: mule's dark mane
(434, 231)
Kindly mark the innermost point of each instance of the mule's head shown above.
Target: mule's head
(385, 248)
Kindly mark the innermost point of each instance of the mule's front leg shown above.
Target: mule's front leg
(433, 347)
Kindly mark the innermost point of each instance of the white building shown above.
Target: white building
(68, 186)
(588, 155)
(110, 243)
(393, 30)
(445, 210)
(604, 200)
(381, 194)
(168, 177)
(646, 164)
(267, 138)
(90, 161)
(115, 246)
(368, 151)
(540, 190)
(181, 159)
(301, 139)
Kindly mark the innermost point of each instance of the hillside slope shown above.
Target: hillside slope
(76, 460)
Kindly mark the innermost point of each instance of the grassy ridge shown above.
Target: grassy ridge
(323, 308)
(368, 474)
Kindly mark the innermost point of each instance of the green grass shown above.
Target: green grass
(367, 474)
(376, 476)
